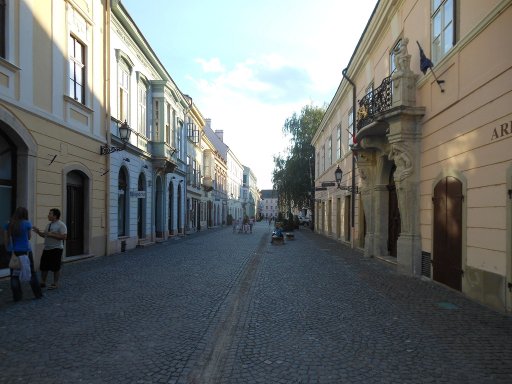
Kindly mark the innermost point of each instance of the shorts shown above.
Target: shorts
(51, 260)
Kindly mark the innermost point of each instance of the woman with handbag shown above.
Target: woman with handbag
(17, 236)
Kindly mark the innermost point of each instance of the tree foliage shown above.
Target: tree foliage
(293, 175)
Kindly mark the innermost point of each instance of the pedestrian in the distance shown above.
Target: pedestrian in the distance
(17, 236)
(54, 236)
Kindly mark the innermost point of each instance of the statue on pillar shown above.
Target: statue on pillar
(400, 154)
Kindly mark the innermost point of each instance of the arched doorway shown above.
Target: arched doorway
(394, 224)
(159, 208)
(180, 209)
(170, 220)
(122, 202)
(447, 247)
(7, 188)
(141, 207)
(75, 212)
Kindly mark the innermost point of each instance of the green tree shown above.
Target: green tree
(293, 175)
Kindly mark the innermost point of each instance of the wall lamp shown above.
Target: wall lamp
(338, 174)
(124, 134)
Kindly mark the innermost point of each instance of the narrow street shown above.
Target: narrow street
(219, 307)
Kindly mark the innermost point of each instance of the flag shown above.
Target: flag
(425, 62)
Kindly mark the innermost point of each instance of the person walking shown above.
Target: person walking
(17, 234)
(54, 236)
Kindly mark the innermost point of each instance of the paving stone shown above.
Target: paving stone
(216, 307)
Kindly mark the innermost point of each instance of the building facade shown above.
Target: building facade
(216, 173)
(148, 174)
(431, 152)
(52, 119)
(268, 204)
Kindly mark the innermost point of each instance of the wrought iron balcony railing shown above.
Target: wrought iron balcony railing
(373, 103)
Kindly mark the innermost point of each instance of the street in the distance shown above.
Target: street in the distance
(224, 307)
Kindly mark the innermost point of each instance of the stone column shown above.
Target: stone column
(366, 167)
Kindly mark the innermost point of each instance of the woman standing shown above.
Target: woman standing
(17, 235)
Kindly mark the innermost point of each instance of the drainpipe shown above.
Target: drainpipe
(106, 98)
(353, 198)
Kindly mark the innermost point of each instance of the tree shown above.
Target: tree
(293, 175)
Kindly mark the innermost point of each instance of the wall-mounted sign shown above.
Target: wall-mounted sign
(501, 131)
(138, 194)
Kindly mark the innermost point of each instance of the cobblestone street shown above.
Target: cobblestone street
(219, 307)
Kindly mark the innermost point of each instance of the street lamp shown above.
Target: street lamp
(124, 134)
(338, 174)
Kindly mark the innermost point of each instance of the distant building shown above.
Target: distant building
(268, 203)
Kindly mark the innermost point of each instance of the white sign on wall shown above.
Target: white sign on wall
(138, 194)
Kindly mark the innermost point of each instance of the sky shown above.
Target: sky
(250, 65)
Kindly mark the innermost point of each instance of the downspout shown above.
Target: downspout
(353, 197)
(106, 98)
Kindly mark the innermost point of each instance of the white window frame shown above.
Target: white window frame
(442, 28)
(77, 69)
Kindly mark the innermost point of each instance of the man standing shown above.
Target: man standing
(54, 236)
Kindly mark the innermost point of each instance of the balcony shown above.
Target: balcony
(207, 183)
(374, 104)
(162, 156)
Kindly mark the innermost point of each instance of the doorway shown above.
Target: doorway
(447, 247)
(394, 223)
(141, 207)
(75, 214)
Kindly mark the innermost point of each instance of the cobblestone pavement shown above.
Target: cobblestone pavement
(218, 307)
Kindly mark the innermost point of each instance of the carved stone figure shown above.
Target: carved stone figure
(400, 154)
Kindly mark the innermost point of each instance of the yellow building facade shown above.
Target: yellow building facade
(430, 155)
(52, 118)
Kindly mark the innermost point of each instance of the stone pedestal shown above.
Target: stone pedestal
(409, 254)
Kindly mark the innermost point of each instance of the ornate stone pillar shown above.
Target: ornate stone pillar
(404, 137)
(366, 167)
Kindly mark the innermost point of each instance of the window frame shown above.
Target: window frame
(439, 9)
(124, 102)
(142, 100)
(77, 64)
(3, 30)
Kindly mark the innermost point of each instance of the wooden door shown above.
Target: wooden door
(447, 249)
(75, 220)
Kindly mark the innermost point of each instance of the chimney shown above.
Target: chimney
(220, 134)
(208, 123)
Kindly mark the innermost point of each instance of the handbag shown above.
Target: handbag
(14, 262)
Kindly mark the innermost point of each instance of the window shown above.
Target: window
(329, 151)
(76, 70)
(168, 122)
(193, 133)
(124, 84)
(323, 158)
(178, 139)
(350, 127)
(3, 26)
(338, 141)
(443, 29)
(141, 108)
(392, 55)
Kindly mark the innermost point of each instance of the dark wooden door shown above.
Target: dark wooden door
(447, 258)
(141, 206)
(75, 220)
(394, 223)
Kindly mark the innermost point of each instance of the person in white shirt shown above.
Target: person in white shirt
(54, 236)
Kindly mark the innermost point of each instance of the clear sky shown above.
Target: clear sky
(249, 65)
